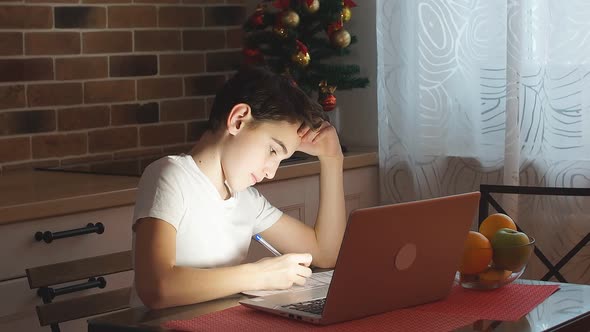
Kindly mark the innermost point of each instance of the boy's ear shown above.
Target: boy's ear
(238, 116)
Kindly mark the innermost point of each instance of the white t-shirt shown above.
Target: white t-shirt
(210, 231)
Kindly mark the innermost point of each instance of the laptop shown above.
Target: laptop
(392, 256)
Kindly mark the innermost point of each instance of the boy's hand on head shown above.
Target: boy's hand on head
(321, 142)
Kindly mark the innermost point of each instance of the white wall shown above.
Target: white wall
(358, 107)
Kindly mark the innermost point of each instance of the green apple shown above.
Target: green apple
(512, 249)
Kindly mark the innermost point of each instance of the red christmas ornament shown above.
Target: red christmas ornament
(349, 3)
(282, 4)
(328, 103)
(301, 57)
(252, 56)
(326, 96)
(333, 27)
(257, 19)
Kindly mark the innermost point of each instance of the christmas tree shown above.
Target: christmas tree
(297, 37)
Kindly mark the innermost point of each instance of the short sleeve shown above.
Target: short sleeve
(159, 194)
(266, 213)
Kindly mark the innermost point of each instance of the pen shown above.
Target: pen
(265, 244)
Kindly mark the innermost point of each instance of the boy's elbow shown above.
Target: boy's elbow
(152, 294)
(326, 262)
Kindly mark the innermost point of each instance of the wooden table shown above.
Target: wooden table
(568, 309)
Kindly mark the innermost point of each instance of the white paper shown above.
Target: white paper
(317, 279)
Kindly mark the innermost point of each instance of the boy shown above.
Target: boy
(195, 214)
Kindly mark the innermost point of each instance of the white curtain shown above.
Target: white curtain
(494, 92)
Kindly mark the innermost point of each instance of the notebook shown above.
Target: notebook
(392, 256)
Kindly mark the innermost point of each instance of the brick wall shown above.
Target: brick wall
(93, 80)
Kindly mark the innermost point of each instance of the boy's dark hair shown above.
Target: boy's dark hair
(269, 95)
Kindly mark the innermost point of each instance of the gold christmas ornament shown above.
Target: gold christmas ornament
(280, 31)
(340, 38)
(290, 19)
(301, 58)
(313, 7)
(346, 14)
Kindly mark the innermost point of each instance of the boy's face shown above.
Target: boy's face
(254, 152)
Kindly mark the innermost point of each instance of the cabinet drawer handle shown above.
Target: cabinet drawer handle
(48, 236)
(48, 293)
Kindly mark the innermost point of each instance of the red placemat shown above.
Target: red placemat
(460, 308)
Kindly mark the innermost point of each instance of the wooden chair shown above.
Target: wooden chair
(44, 278)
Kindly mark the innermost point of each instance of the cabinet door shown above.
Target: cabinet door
(19, 238)
(17, 307)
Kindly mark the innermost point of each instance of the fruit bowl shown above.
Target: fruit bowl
(507, 265)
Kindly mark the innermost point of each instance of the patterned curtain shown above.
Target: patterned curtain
(494, 92)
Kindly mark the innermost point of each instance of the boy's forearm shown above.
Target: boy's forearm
(331, 219)
(185, 285)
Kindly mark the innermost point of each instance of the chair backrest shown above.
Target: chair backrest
(44, 278)
(487, 199)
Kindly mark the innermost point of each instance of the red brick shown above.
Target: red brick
(203, 39)
(108, 1)
(180, 16)
(26, 69)
(112, 139)
(162, 134)
(124, 114)
(157, 40)
(11, 43)
(51, 1)
(54, 94)
(181, 63)
(132, 16)
(12, 96)
(81, 68)
(223, 61)
(225, 15)
(80, 17)
(155, 88)
(208, 2)
(27, 122)
(26, 17)
(109, 91)
(234, 38)
(60, 145)
(183, 109)
(41, 43)
(107, 42)
(203, 85)
(83, 117)
(13, 149)
(158, 1)
(133, 65)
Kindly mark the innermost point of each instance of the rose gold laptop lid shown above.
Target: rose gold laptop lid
(391, 257)
(399, 255)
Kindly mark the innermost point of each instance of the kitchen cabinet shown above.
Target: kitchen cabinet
(20, 250)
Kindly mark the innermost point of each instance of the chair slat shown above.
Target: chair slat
(83, 306)
(79, 269)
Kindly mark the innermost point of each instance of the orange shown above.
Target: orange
(490, 225)
(477, 253)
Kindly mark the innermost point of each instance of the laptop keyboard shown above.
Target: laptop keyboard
(313, 306)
